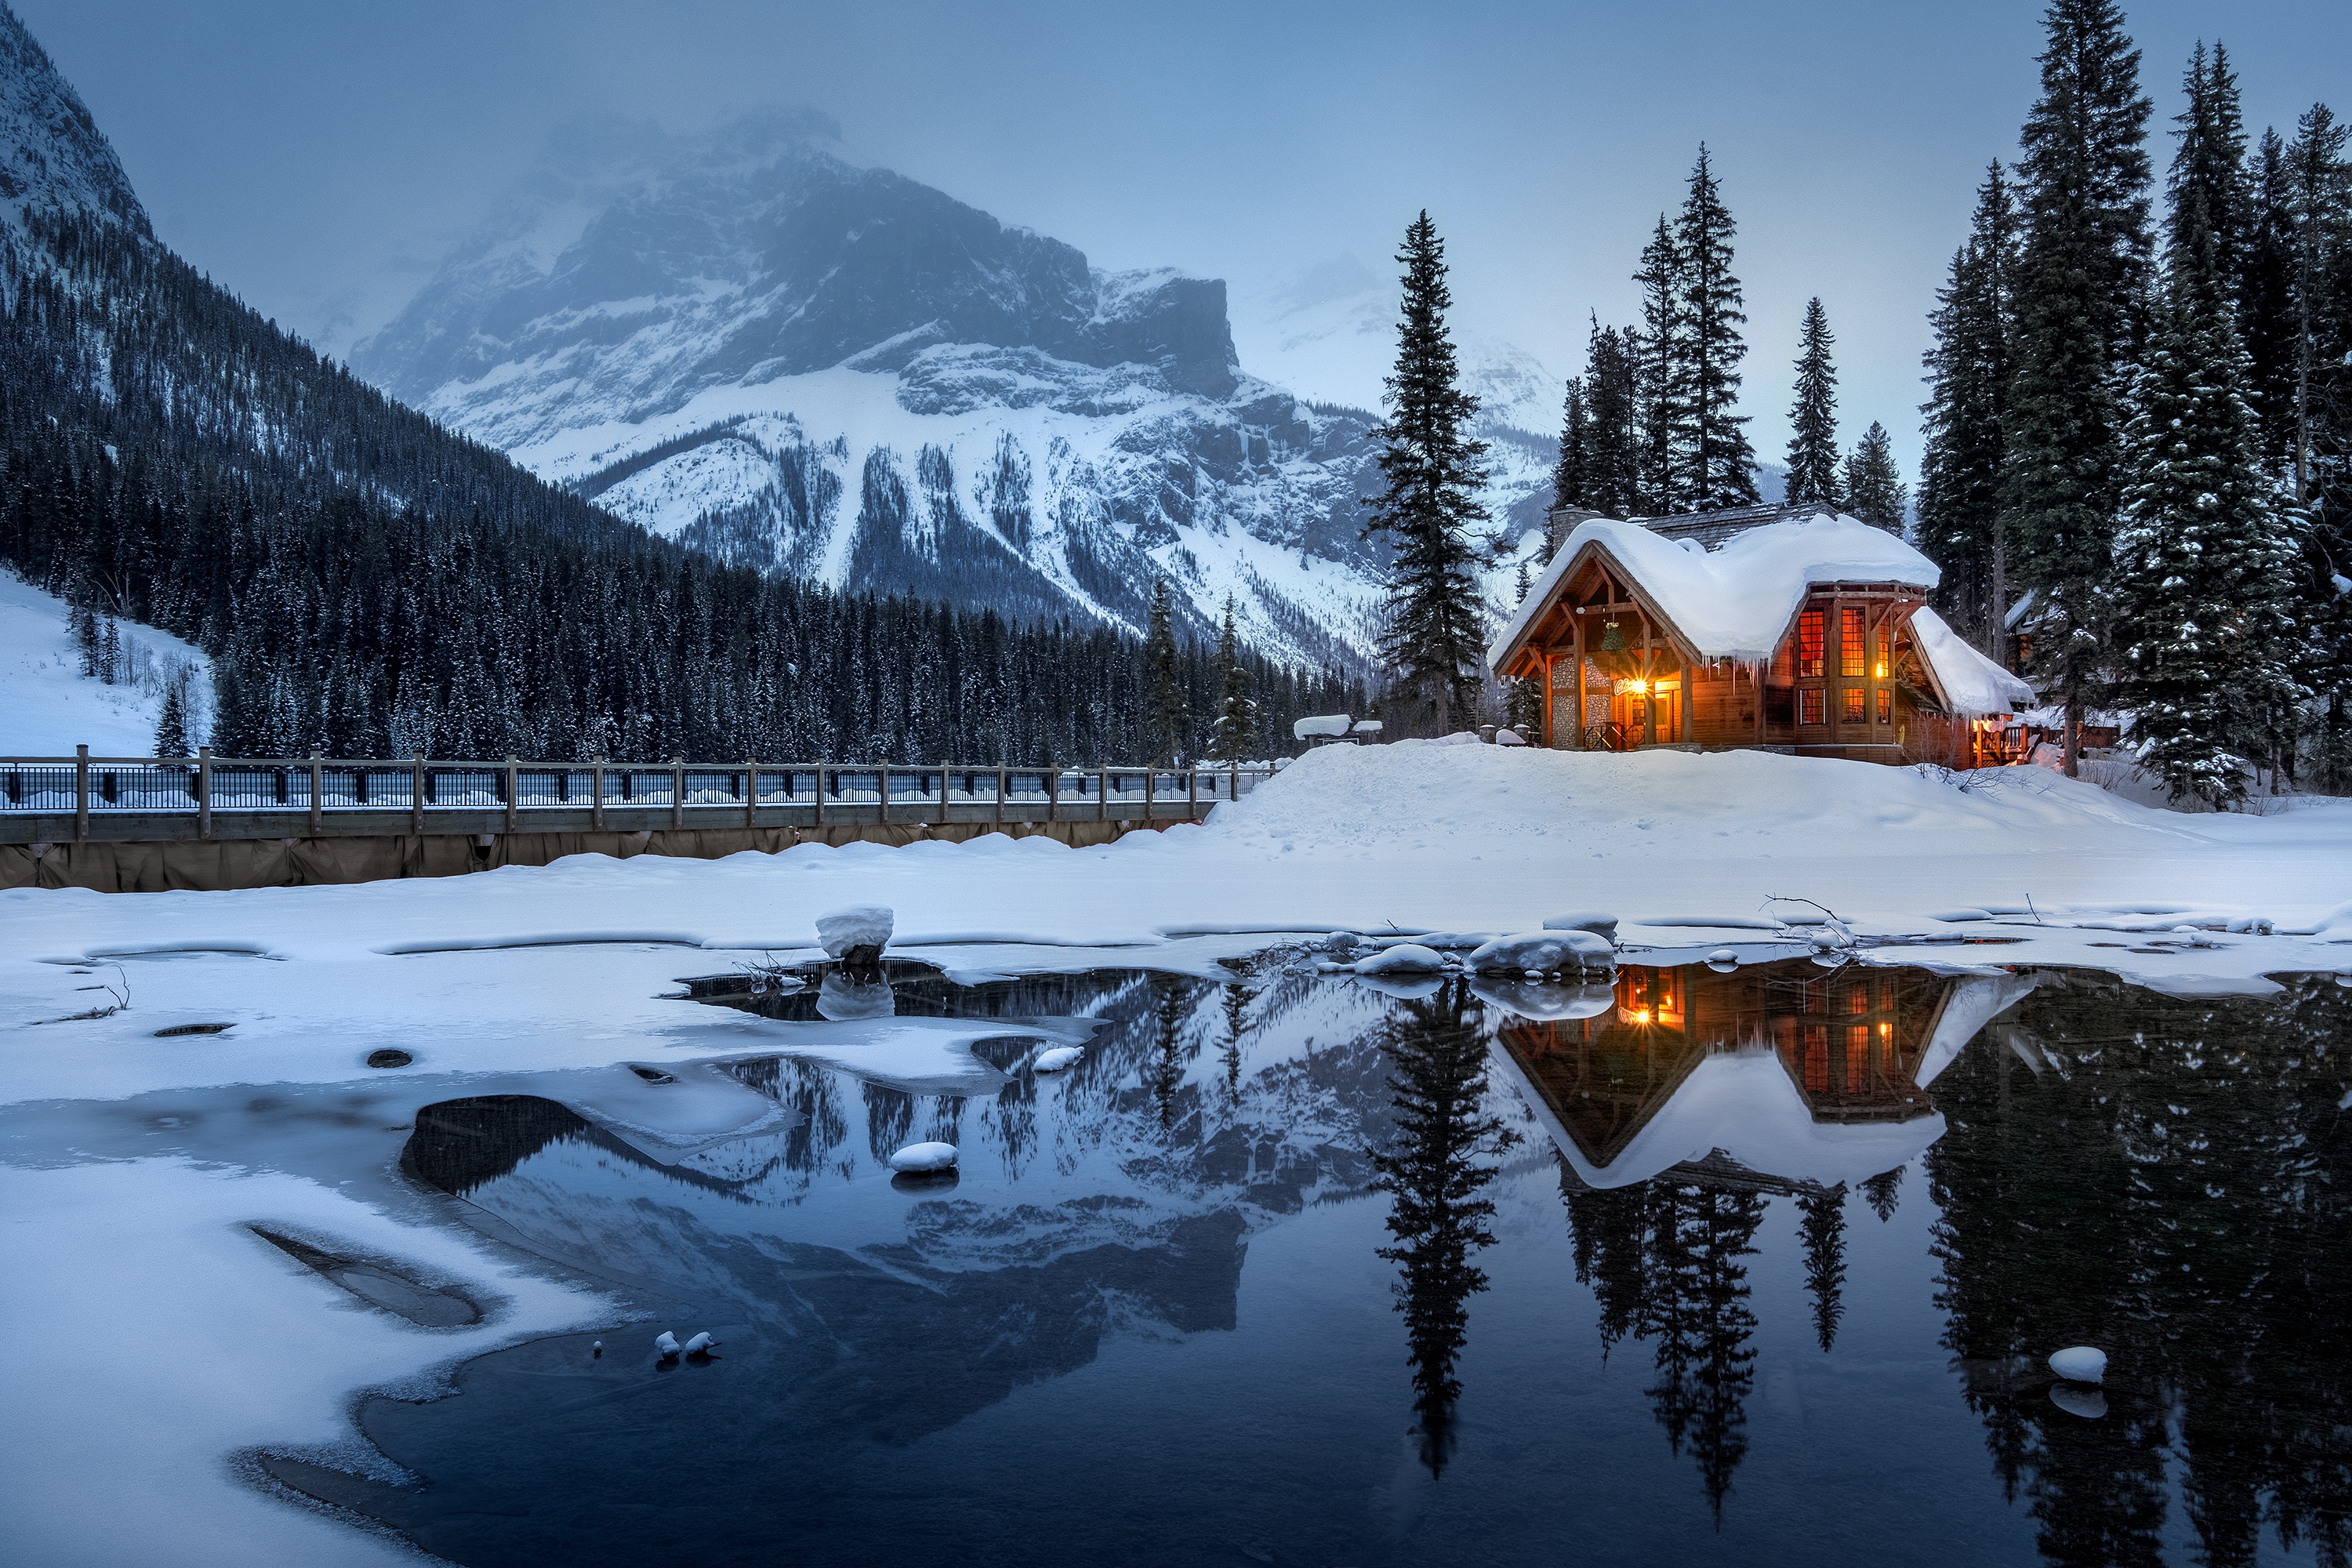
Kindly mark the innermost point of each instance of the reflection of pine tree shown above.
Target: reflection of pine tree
(1823, 1227)
(1432, 1174)
(1171, 1008)
(1237, 1001)
(889, 1117)
(1881, 1193)
(2177, 1195)
(1663, 1262)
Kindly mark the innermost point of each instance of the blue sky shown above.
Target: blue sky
(318, 159)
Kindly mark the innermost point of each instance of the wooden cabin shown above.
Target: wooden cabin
(1787, 628)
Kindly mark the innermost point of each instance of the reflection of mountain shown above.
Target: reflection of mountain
(2170, 1179)
(1432, 1170)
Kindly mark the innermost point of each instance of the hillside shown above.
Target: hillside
(366, 582)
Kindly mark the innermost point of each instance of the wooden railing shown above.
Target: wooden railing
(55, 799)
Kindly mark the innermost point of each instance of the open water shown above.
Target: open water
(1754, 1268)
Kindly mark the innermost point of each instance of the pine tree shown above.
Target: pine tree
(1612, 463)
(1721, 469)
(171, 724)
(1822, 1226)
(1813, 448)
(2079, 304)
(1658, 353)
(1961, 525)
(1235, 731)
(1873, 487)
(110, 653)
(1166, 716)
(2205, 571)
(2318, 421)
(2266, 299)
(1433, 637)
(1571, 476)
(2208, 170)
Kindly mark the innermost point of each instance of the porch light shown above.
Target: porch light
(1882, 672)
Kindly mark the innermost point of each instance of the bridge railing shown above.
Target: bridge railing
(202, 795)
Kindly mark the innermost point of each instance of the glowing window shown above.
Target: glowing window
(1817, 1060)
(1849, 645)
(1808, 705)
(1857, 1056)
(1885, 706)
(1851, 705)
(1885, 663)
(1858, 999)
(1809, 644)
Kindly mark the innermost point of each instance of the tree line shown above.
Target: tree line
(2135, 473)
(368, 584)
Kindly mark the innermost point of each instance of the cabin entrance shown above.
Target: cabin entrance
(1630, 711)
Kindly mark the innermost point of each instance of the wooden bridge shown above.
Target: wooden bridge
(82, 799)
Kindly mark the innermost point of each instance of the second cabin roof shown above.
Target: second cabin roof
(1735, 601)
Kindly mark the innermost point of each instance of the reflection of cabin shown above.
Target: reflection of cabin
(1786, 628)
(1849, 1042)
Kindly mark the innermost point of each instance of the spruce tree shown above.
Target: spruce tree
(1875, 491)
(1234, 732)
(171, 724)
(2079, 297)
(2318, 421)
(1571, 476)
(1961, 526)
(2208, 170)
(1813, 448)
(2205, 570)
(1612, 463)
(1721, 467)
(1167, 715)
(2266, 299)
(1658, 353)
(1434, 632)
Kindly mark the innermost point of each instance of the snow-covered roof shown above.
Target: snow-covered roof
(1973, 686)
(1742, 1103)
(1734, 602)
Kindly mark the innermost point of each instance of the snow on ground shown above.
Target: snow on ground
(130, 1409)
(47, 706)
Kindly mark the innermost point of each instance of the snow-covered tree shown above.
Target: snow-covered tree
(1434, 636)
(1813, 448)
(171, 724)
(1167, 683)
(2205, 567)
(1235, 733)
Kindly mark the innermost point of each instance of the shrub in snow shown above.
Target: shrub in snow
(925, 1157)
(1508, 737)
(1405, 958)
(1057, 1058)
(1545, 952)
(1599, 925)
(846, 933)
(2080, 1363)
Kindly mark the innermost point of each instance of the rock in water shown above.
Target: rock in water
(2080, 1363)
(1584, 920)
(856, 934)
(1723, 960)
(2076, 1400)
(665, 1342)
(1057, 1058)
(701, 1344)
(1405, 958)
(1546, 952)
(924, 1157)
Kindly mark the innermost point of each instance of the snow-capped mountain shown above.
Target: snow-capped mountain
(52, 154)
(755, 343)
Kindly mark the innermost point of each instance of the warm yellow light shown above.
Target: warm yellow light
(1882, 672)
(1884, 1030)
(1641, 689)
(1641, 1015)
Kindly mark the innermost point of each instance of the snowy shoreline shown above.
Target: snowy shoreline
(572, 969)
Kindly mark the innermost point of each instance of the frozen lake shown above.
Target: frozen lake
(1755, 1267)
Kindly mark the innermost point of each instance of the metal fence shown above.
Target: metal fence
(184, 795)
